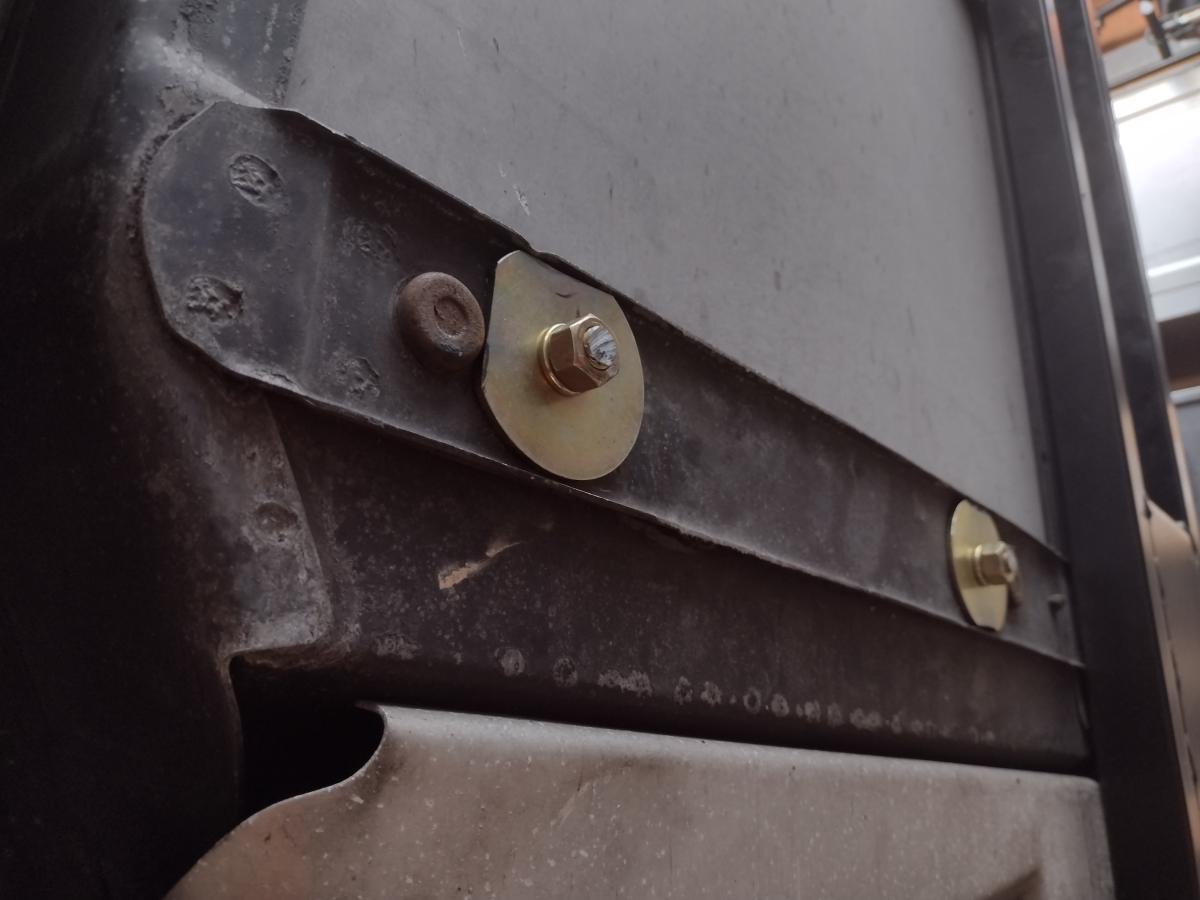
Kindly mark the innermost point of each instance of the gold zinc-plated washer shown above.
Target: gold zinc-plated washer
(984, 568)
(561, 375)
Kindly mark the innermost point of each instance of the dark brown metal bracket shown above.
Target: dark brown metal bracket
(277, 248)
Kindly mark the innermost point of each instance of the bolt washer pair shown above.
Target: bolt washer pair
(570, 397)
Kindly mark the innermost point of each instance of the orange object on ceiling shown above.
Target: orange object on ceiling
(1121, 27)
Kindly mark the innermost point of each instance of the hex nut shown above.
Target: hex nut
(440, 322)
(995, 563)
(578, 357)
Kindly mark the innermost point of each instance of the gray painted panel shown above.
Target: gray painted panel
(458, 805)
(810, 191)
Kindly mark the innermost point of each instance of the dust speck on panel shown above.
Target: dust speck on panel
(811, 710)
(637, 683)
(711, 694)
(683, 690)
(566, 673)
(752, 700)
(511, 661)
(833, 715)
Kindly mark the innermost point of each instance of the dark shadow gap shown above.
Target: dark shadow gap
(294, 743)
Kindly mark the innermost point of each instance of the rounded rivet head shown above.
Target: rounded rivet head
(440, 322)
(579, 356)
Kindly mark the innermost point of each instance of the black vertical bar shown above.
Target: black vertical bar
(1156, 28)
(1140, 754)
(1154, 418)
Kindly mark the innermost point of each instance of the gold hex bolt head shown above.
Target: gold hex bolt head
(995, 562)
(579, 356)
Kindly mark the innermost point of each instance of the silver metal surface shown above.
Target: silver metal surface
(814, 198)
(1159, 126)
(458, 806)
